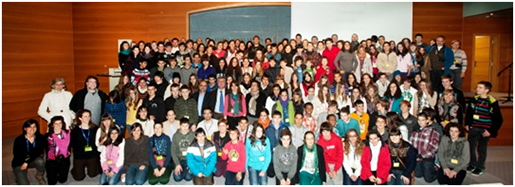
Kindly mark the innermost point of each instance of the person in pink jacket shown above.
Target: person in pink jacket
(235, 105)
(111, 158)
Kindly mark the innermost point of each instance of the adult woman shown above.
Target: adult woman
(351, 83)
(28, 152)
(425, 63)
(85, 154)
(201, 159)
(101, 135)
(449, 110)
(354, 96)
(285, 159)
(426, 97)
(132, 61)
(219, 52)
(136, 162)
(454, 155)
(341, 97)
(123, 53)
(236, 105)
(394, 97)
(245, 84)
(58, 155)
(201, 48)
(159, 149)
(352, 153)
(310, 163)
(404, 60)
(221, 67)
(112, 157)
(234, 70)
(364, 64)
(132, 102)
(259, 156)
(324, 69)
(206, 69)
(193, 83)
(274, 96)
(123, 85)
(118, 110)
(373, 60)
(459, 68)
(57, 102)
(403, 157)
(146, 124)
(375, 161)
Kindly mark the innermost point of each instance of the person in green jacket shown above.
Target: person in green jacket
(181, 140)
(186, 107)
(285, 106)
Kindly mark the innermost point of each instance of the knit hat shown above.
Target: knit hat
(396, 72)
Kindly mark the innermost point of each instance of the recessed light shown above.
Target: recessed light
(491, 14)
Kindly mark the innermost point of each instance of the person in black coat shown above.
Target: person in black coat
(28, 151)
(205, 98)
(319, 176)
(78, 100)
(155, 104)
(254, 111)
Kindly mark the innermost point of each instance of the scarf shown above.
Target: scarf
(264, 123)
(125, 51)
(253, 102)
(284, 103)
(305, 149)
(236, 103)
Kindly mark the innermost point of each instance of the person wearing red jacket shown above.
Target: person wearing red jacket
(333, 154)
(330, 52)
(324, 68)
(234, 153)
(375, 161)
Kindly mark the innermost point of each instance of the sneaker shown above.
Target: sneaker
(477, 172)
(470, 169)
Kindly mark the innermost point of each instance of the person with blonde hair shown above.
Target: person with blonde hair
(56, 102)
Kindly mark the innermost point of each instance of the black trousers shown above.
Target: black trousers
(476, 138)
(57, 170)
(442, 179)
(436, 80)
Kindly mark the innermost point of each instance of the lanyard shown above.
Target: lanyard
(158, 148)
(33, 144)
(84, 135)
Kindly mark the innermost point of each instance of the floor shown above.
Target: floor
(499, 170)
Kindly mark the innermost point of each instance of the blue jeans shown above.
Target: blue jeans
(185, 174)
(136, 176)
(397, 180)
(104, 179)
(426, 169)
(255, 179)
(230, 178)
(348, 181)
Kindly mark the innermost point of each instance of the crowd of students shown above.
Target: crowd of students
(349, 113)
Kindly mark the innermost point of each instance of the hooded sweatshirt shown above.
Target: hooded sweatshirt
(455, 154)
(333, 152)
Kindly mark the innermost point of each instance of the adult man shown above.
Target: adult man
(458, 94)
(382, 39)
(459, 66)
(185, 106)
(90, 98)
(334, 38)
(209, 124)
(254, 100)
(330, 52)
(155, 105)
(202, 98)
(218, 98)
(418, 40)
(257, 46)
(314, 40)
(175, 45)
(354, 43)
(441, 58)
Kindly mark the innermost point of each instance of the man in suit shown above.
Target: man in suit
(202, 97)
(218, 97)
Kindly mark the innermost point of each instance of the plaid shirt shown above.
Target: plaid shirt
(310, 123)
(426, 140)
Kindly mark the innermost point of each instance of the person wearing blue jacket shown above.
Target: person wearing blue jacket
(201, 159)
(272, 132)
(345, 123)
(117, 108)
(394, 96)
(259, 156)
(441, 59)
(159, 149)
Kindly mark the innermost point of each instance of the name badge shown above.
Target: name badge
(109, 162)
(234, 159)
(476, 116)
(343, 139)
(454, 161)
(354, 166)
(446, 121)
(396, 164)
(287, 120)
(219, 153)
(160, 157)
(387, 65)
(208, 138)
(261, 158)
(184, 153)
(88, 149)
(27, 159)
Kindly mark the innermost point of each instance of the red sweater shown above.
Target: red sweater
(333, 151)
(321, 71)
(383, 164)
(236, 157)
(331, 55)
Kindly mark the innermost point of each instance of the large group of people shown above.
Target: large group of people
(300, 111)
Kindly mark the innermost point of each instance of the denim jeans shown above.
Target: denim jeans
(426, 169)
(21, 175)
(230, 178)
(255, 179)
(397, 180)
(104, 179)
(136, 176)
(185, 173)
(476, 138)
(348, 181)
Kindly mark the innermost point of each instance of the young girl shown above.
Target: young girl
(285, 159)
(352, 152)
(117, 109)
(103, 130)
(403, 157)
(236, 105)
(234, 154)
(454, 155)
(201, 159)
(264, 119)
(366, 81)
(394, 97)
(259, 156)
(324, 69)
(206, 69)
(245, 84)
(298, 103)
(135, 166)
(147, 124)
(449, 110)
(341, 97)
(375, 161)
(219, 139)
(132, 106)
(310, 163)
(85, 154)
(294, 83)
(112, 157)
(58, 155)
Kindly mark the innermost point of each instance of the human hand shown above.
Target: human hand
(467, 128)
(379, 181)
(238, 176)
(201, 175)
(262, 173)
(24, 166)
(152, 117)
(390, 177)
(486, 134)
(462, 75)
(405, 179)
(372, 178)
(142, 167)
(156, 172)
(123, 176)
(354, 178)
(178, 169)
(288, 181)
(226, 151)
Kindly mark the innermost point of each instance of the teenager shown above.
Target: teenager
(362, 117)
(136, 162)
(352, 153)
(425, 140)
(403, 157)
(394, 96)
(180, 142)
(219, 139)
(112, 157)
(346, 123)
(310, 121)
(259, 156)
(375, 161)
(159, 149)
(235, 156)
(147, 124)
(454, 155)
(310, 163)
(201, 159)
(298, 130)
(333, 154)
(235, 105)
(285, 159)
(449, 110)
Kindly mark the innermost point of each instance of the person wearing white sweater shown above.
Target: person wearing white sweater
(56, 103)
(146, 124)
(382, 84)
(352, 152)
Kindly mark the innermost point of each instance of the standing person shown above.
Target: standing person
(483, 120)
(441, 58)
(352, 153)
(201, 159)
(254, 100)
(136, 162)
(449, 110)
(330, 53)
(324, 69)
(285, 106)
(235, 105)
(57, 103)
(454, 155)
(425, 140)
(256, 46)
(333, 154)
(146, 124)
(298, 130)
(346, 61)
(85, 154)
(310, 163)
(118, 110)
(404, 59)
(403, 157)
(235, 156)
(259, 156)
(285, 159)
(58, 155)
(418, 39)
(180, 143)
(88, 98)
(159, 149)
(459, 67)
(186, 106)
(112, 157)
(28, 152)
(362, 117)
(375, 161)
(219, 139)
(447, 84)
(426, 97)
(387, 61)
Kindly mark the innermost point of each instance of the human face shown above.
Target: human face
(422, 51)
(339, 45)
(354, 37)
(423, 86)
(446, 83)
(202, 86)
(222, 127)
(256, 40)
(136, 132)
(263, 116)
(143, 114)
(193, 79)
(310, 47)
(379, 106)
(422, 121)
(265, 81)
(161, 47)
(58, 125)
(440, 41)
(311, 92)
(298, 120)
(170, 116)
(383, 78)
(374, 140)
(351, 79)
(454, 132)
(286, 141)
(448, 97)
(326, 135)
(147, 49)
(371, 91)
(184, 93)
(143, 64)
(233, 135)
(380, 123)
(114, 135)
(207, 114)
(229, 80)
(404, 108)
(355, 93)
(325, 90)
(221, 83)
(309, 140)
(360, 108)
(332, 121)
(132, 94)
(135, 51)
(259, 132)
(400, 47)
(175, 91)
(393, 88)
(353, 137)
(246, 63)
(284, 96)
(59, 86)
(86, 117)
(91, 84)
(243, 124)
(308, 109)
(125, 46)
(151, 91)
(31, 130)
(106, 123)
(418, 39)
(329, 44)
(386, 47)
(418, 78)
(347, 46)
(184, 127)
(201, 138)
(413, 48)
(481, 89)
(395, 138)
(276, 119)
(234, 88)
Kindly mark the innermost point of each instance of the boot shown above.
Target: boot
(40, 177)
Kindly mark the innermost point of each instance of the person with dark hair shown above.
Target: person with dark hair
(58, 155)
(447, 84)
(186, 106)
(375, 160)
(425, 140)
(285, 159)
(454, 155)
(147, 124)
(201, 159)
(90, 98)
(272, 132)
(346, 60)
(441, 58)
(85, 154)
(136, 162)
(28, 152)
(171, 69)
(345, 123)
(333, 154)
(180, 143)
(418, 39)
(404, 59)
(362, 117)
(410, 121)
(103, 131)
(256, 46)
(244, 129)
(160, 82)
(161, 65)
(298, 130)
(330, 53)
(123, 53)
(285, 106)
(353, 151)
(139, 72)
(381, 110)
(408, 92)
(449, 110)
(131, 61)
(159, 150)
(206, 69)
(56, 102)
(187, 70)
(142, 88)
(403, 157)
(219, 139)
(236, 158)
(394, 96)
(112, 157)
(118, 110)
(235, 105)
(254, 100)
(259, 156)
(311, 167)
(171, 95)
(387, 60)
(155, 104)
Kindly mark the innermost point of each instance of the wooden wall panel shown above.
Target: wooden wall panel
(438, 18)
(38, 47)
(505, 135)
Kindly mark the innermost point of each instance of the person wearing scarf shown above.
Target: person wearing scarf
(123, 54)
(311, 163)
(285, 106)
(254, 100)
(236, 106)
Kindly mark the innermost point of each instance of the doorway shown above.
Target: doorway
(486, 60)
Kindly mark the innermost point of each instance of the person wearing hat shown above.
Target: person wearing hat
(397, 77)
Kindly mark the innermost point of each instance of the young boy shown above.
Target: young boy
(483, 120)
(333, 154)
(212, 83)
(362, 117)
(140, 72)
(310, 122)
(234, 155)
(408, 92)
(180, 142)
(298, 130)
(272, 133)
(219, 139)
(426, 141)
(346, 123)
